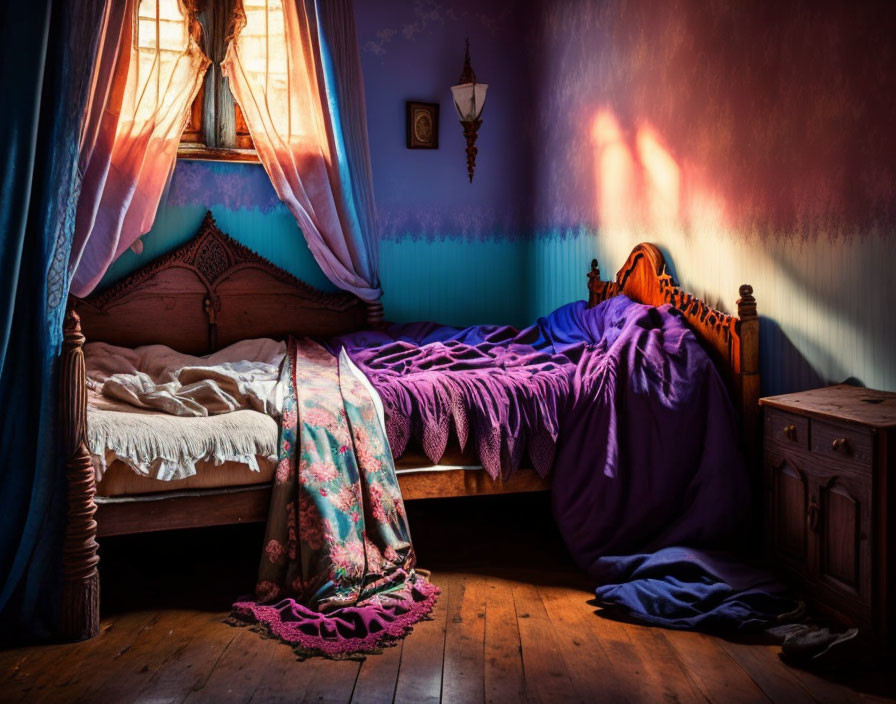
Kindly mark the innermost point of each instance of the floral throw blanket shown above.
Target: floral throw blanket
(337, 570)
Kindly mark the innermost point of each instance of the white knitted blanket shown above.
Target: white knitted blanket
(168, 447)
(161, 412)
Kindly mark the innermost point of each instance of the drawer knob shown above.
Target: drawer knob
(790, 431)
(840, 445)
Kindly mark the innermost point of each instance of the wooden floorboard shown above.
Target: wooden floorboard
(591, 670)
(546, 676)
(777, 683)
(420, 670)
(189, 665)
(516, 622)
(378, 676)
(463, 668)
(719, 678)
(645, 667)
(503, 676)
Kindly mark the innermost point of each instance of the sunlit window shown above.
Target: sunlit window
(274, 63)
(215, 126)
(264, 56)
(161, 37)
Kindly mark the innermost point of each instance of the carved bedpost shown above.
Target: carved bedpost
(374, 315)
(80, 618)
(749, 355)
(599, 291)
(593, 284)
(749, 390)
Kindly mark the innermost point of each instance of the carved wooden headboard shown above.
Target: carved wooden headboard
(211, 292)
(732, 342)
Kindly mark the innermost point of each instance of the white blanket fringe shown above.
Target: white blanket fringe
(168, 447)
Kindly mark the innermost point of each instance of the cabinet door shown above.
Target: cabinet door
(788, 510)
(843, 530)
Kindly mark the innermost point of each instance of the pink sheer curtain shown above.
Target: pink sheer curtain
(275, 65)
(150, 68)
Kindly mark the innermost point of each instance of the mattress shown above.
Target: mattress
(121, 480)
(137, 450)
(415, 460)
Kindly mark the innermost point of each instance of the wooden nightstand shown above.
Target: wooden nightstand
(830, 484)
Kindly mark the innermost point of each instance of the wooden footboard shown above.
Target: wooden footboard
(202, 508)
(731, 341)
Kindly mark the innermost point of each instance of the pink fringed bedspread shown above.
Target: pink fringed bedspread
(337, 573)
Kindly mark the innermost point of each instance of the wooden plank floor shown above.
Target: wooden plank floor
(514, 624)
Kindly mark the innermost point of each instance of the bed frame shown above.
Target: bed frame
(211, 292)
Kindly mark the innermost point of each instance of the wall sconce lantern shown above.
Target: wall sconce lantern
(469, 97)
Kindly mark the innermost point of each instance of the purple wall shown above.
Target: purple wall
(414, 50)
(782, 111)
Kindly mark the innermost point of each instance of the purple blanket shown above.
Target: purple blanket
(620, 400)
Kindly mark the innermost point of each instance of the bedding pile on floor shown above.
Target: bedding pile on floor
(684, 588)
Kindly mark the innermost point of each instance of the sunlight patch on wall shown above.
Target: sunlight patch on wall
(644, 193)
(662, 180)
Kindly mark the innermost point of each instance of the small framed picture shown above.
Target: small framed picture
(422, 125)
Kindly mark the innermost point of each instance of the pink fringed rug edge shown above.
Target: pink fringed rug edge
(267, 619)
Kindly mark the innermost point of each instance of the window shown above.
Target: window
(160, 25)
(215, 127)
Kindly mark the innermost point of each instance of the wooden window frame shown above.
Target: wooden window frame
(205, 137)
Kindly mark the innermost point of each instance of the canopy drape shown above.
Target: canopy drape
(47, 53)
(134, 125)
(294, 69)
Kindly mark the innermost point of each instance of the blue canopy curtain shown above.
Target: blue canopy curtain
(47, 50)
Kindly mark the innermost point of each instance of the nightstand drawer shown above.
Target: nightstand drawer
(787, 429)
(841, 443)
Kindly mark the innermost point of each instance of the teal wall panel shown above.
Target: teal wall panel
(558, 266)
(454, 281)
(274, 235)
(825, 311)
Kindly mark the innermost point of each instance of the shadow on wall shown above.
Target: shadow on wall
(774, 343)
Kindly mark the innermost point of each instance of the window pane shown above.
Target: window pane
(159, 60)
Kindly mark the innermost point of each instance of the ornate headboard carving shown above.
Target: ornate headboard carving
(210, 292)
(732, 342)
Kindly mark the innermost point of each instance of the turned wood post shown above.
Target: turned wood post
(598, 291)
(749, 397)
(594, 283)
(374, 315)
(749, 360)
(80, 617)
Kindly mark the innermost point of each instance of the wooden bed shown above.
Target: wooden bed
(211, 292)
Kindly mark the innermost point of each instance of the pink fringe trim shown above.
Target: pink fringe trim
(346, 632)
